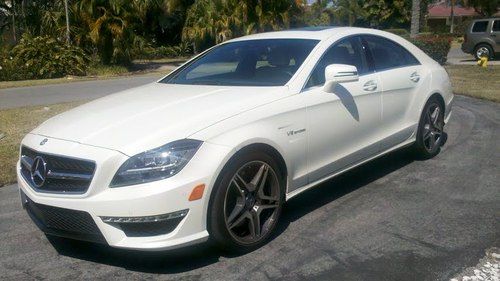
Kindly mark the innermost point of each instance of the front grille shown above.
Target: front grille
(63, 222)
(59, 175)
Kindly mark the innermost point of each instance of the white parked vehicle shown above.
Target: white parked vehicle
(215, 148)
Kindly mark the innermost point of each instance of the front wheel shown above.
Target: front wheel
(247, 202)
(430, 134)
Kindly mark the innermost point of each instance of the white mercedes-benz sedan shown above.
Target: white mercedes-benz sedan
(215, 148)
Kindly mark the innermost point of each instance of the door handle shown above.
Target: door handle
(370, 86)
(415, 77)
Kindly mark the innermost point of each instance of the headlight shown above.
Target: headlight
(156, 164)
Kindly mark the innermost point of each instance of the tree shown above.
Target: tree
(485, 8)
(415, 18)
(349, 12)
(210, 22)
(108, 25)
(388, 13)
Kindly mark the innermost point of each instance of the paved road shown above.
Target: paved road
(392, 219)
(73, 91)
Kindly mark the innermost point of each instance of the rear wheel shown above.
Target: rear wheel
(247, 202)
(430, 134)
(483, 50)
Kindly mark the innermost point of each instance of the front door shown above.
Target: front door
(343, 126)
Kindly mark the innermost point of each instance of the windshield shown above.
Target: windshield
(265, 62)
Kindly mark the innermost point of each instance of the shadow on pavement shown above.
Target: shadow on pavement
(197, 256)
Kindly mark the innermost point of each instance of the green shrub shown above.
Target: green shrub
(149, 52)
(44, 57)
(399, 31)
(435, 46)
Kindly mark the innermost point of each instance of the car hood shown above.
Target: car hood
(146, 117)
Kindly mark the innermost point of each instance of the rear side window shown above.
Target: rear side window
(387, 54)
(496, 26)
(480, 26)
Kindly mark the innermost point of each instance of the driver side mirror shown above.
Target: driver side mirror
(339, 73)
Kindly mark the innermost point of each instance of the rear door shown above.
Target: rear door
(400, 74)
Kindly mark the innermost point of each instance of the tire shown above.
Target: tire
(236, 202)
(483, 49)
(430, 133)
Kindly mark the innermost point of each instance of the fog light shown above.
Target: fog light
(157, 218)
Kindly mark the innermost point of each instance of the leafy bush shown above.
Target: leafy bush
(436, 46)
(399, 31)
(149, 52)
(44, 57)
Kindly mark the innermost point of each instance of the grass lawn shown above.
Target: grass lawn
(475, 81)
(467, 80)
(14, 125)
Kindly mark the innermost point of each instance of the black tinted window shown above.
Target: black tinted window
(480, 26)
(348, 51)
(496, 26)
(388, 54)
(266, 62)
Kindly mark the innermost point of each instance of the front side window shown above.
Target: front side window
(265, 62)
(387, 54)
(347, 51)
(480, 26)
(496, 26)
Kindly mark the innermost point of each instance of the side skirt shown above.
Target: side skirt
(299, 190)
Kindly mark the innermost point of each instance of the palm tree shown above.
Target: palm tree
(415, 18)
(347, 11)
(108, 24)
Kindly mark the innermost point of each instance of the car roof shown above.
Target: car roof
(486, 19)
(317, 33)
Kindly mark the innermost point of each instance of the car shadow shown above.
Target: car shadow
(197, 256)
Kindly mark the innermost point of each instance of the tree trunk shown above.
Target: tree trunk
(452, 16)
(67, 22)
(13, 21)
(415, 18)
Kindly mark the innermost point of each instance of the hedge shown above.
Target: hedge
(435, 46)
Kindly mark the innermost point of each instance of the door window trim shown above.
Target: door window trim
(493, 24)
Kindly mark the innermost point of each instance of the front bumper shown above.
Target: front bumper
(145, 200)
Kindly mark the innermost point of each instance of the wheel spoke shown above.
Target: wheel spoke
(267, 206)
(236, 212)
(435, 116)
(242, 183)
(240, 190)
(240, 220)
(254, 225)
(432, 141)
(427, 133)
(259, 177)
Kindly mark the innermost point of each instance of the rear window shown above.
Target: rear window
(496, 26)
(480, 26)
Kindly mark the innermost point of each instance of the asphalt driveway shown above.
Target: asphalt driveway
(391, 219)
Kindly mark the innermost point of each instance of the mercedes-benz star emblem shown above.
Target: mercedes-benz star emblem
(38, 171)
